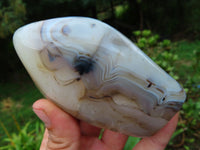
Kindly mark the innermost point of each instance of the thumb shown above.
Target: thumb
(62, 131)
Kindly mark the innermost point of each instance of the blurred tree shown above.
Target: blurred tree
(192, 18)
(45, 9)
(103, 6)
(164, 17)
(12, 15)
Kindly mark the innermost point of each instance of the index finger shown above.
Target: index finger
(160, 139)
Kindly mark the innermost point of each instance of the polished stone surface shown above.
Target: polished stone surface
(96, 74)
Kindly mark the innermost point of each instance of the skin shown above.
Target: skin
(64, 132)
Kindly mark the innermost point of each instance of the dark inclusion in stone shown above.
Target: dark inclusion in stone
(83, 64)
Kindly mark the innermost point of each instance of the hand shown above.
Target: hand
(64, 132)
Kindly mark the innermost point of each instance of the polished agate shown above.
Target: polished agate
(96, 74)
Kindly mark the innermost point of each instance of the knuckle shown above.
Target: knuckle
(58, 143)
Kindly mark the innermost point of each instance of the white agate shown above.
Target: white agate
(96, 74)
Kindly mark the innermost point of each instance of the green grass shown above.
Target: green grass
(185, 49)
(16, 101)
(188, 53)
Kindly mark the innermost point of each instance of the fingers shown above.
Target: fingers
(63, 130)
(45, 140)
(160, 139)
(89, 130)
(110, 141)
(114, 140)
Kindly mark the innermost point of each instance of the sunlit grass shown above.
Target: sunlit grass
(16, 101)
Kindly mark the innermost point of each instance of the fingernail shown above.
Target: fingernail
(42, 115)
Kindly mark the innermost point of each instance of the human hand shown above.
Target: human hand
(64, 132)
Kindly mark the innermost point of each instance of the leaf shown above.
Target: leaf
(131, 142)
(137, 33)
(146, 33)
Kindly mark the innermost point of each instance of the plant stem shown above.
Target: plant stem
(6, 131)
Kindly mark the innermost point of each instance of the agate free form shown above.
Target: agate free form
(98, 75)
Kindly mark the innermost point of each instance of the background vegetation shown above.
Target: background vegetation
(168, 31)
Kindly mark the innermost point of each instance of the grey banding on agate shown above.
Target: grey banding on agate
(96, 74)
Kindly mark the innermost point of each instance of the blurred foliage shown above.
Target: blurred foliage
(12, 16)
(192, 17)
(145, 39)
(26, 139)
(19, 127)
